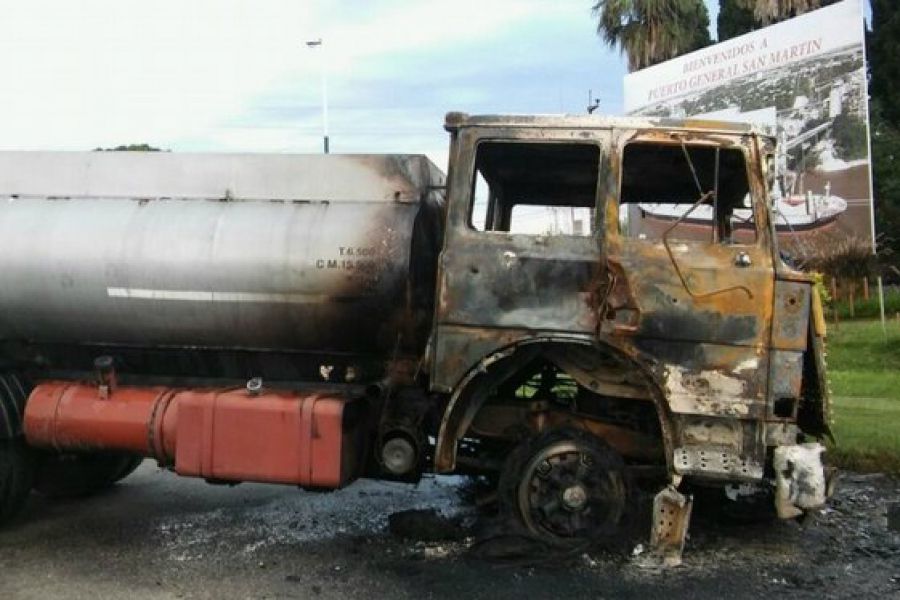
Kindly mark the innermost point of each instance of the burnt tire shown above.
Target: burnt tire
(565, 487)
(16, 473)
(73, 474)
(129, 467)
(16, 459)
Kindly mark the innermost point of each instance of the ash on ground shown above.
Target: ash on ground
(159, 536)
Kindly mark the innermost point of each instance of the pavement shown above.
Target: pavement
(158, 536)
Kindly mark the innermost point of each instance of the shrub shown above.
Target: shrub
(868, 309)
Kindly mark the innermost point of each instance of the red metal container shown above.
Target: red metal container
(232, 435)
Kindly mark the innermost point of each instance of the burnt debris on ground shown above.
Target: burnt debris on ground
(199, 541)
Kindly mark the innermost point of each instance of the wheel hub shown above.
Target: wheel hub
(574, 497)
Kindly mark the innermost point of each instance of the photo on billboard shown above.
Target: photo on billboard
(803, 80)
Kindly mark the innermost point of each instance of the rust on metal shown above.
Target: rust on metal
(617, 279)
(671, 517)
(709, 343)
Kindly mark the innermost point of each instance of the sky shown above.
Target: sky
(237, 76)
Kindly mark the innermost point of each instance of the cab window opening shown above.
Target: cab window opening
(535, 188)
(661, 183)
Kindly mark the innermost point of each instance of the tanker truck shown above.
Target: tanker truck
(313, 319)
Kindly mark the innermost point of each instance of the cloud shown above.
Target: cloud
(113, 71)
(235, 75)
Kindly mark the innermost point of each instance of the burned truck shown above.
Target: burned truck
(310, 320)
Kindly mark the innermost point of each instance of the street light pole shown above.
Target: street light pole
(313, 44)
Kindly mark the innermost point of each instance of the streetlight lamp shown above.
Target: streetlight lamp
(312, 45)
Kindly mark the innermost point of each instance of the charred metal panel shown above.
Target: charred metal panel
(814, 416)
(719, 448)
(710, 379)
(699, 431)
(790, 334)
(716, 462)
(518, 281)
(670, 312)
(786, 380)
(790, 317)
(458, 120)
(495, 284)
(781, 434)
(461, 348)
(709, 391)
(706, 321)
(668, 531)
(600, 372)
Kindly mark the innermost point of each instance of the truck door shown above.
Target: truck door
(692, 242)
(522, 245)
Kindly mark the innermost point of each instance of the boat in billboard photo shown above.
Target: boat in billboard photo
(793, 213)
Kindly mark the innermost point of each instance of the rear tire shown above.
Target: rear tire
(16, 473)
(72, 475)
(129, 467)
(16, 459)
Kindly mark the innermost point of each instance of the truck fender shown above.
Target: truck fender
(475, 387)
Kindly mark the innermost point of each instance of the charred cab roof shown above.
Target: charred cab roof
(458, 120)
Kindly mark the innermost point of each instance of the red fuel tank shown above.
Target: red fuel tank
(308, 439)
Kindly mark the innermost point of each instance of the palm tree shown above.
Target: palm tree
(772, 11)
(741, 16)
(652, 31)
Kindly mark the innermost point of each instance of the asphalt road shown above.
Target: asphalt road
(157, 536)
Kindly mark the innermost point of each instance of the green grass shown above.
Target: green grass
(865, 384)
(864, 369)
(867, 431)
(868, 309)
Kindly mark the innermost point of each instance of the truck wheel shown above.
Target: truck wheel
(564, 486)
(129, 467)
(70, 474)
(16, 460)
(16, 471)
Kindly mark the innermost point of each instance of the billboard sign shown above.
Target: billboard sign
(805, 78)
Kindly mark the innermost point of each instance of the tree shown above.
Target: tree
(886, 181)
(734, 19)
(849, 133)
(129, 148)
(772, 11)
(652, 31)
(883, 49)
(737, 17)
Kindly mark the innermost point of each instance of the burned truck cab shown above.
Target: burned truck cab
(610, 292)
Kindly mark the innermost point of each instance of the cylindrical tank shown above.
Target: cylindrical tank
(305, 253)
(310, 439)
